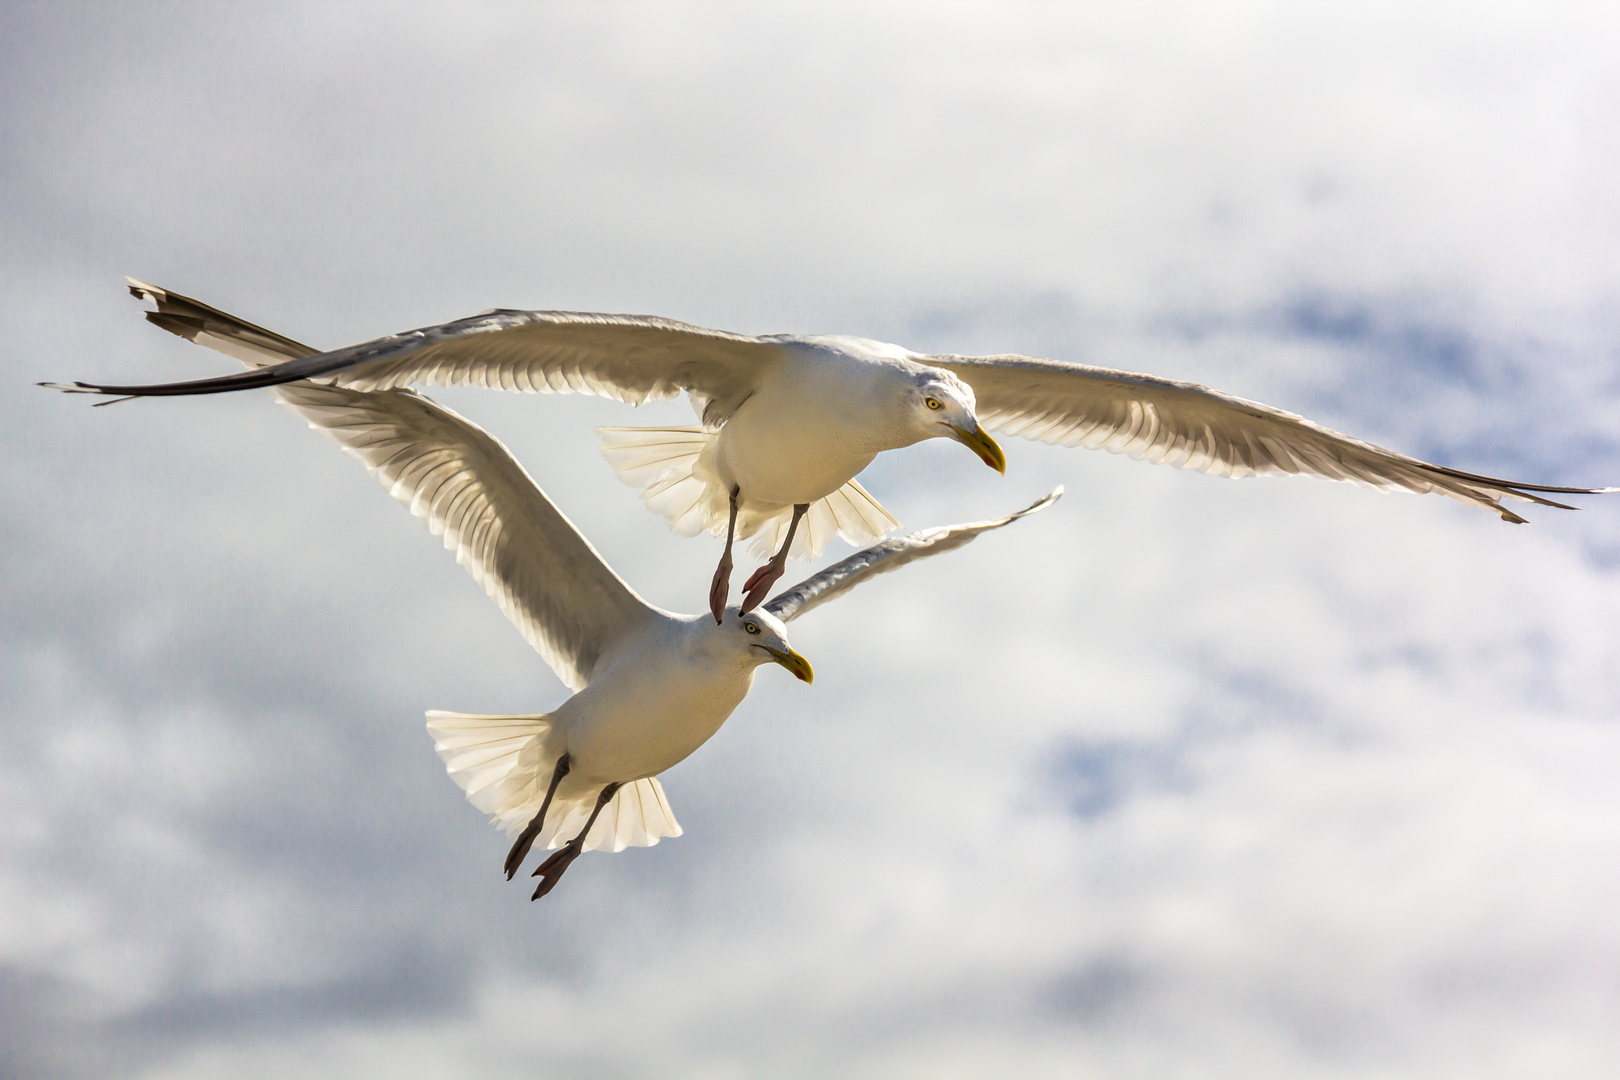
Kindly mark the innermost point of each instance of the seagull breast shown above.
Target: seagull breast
(653, 702)
(820, 416)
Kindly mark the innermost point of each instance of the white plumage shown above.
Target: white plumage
(503, 763)
(674, 467)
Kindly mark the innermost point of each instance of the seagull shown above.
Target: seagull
(788, 421)
(651, 686)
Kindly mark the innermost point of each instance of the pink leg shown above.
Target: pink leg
(759, 583)
(720, 588)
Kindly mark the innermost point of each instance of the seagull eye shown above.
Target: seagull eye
(751, 627)
(934, 403)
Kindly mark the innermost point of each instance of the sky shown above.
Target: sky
(1185, 777)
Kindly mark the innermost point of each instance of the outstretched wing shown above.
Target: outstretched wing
(460, 481)
(632, 358)
(467, 488)
(891, 554)
(1193, 427)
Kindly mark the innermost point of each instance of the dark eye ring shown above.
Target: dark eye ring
(751, 627)
(933, 403)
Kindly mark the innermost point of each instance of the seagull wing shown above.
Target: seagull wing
(197, 322)
(1193, 427)
(468, 489)
(891, 554)
(631, 358)
(459, 480)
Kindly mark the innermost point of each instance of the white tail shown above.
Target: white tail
(664, 463)
(673, 467)
(504, 764)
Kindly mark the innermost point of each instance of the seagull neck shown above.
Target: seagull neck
(872, 422)
(848, 389)
(714, 644)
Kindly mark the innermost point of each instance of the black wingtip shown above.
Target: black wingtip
(88, 388)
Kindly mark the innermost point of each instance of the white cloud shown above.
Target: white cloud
(1184, 776)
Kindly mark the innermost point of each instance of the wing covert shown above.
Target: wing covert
(632, 358)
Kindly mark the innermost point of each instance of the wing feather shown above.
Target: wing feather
(883, 557)
(461, 481)
(1193, 427)
(632, 358)
(469, 490)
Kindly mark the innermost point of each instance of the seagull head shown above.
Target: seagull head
(761, 638)
(942, 406)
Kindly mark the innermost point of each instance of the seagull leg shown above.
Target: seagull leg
(553, 868)
(759, 583)
(721, 587)
(520, 850)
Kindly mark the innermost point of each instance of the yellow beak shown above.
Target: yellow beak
(793, 662)
(978, 440)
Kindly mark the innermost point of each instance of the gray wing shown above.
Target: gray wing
(889, 555)
(1193, 427)
(632, 358)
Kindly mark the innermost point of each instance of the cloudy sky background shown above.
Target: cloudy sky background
(1185, 777)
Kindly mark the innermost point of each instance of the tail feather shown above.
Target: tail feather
(850, 512)
(672, 467)
(664, 463)
(638, 816)
(504, 764)
(480, 751)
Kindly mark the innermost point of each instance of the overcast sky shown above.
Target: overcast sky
(1185, 777)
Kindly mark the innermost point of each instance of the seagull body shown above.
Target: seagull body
(799, 438)
(802, 435)
(651, 685)
(683, 673)
(787, 421)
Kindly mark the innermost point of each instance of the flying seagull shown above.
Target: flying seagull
(788, 421)
(651, 685)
